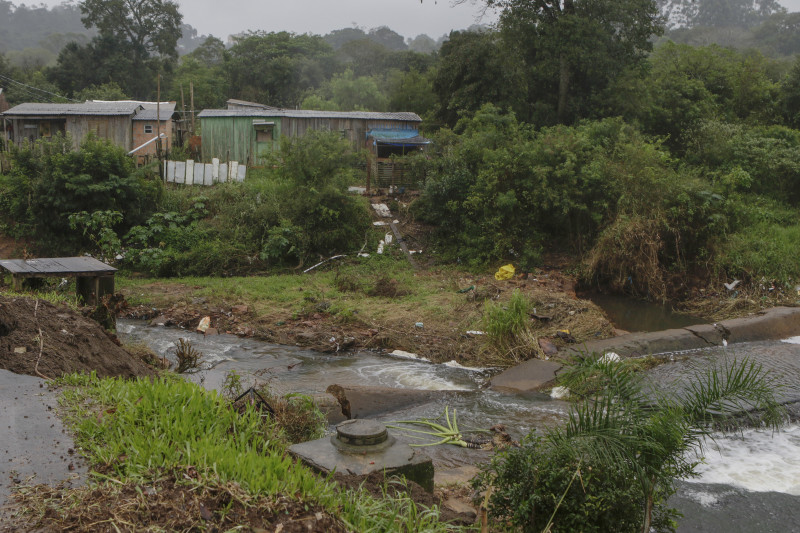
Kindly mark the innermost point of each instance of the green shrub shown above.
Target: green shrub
(296, 212)
(50, 181)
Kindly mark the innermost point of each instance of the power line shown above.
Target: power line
(37, 89)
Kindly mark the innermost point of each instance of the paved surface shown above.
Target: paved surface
(34, 446)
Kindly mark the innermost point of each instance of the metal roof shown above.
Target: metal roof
(233, 103)
(150, 110)
(87, 108)
(60, 266)
(309, 113)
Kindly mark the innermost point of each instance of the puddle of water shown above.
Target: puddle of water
(638, 315)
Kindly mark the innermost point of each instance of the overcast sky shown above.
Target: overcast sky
(407, 17)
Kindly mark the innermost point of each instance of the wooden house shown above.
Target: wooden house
(248, 132)
(128, 124)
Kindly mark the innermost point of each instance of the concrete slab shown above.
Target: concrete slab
(34, 446)
(529, 376)
(392, 458)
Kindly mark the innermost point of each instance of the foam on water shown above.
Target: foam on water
(792, 340)
(403, 375)
(756, 460)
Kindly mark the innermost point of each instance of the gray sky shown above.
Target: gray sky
(407, 17)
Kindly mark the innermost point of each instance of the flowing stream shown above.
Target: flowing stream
(748, 481)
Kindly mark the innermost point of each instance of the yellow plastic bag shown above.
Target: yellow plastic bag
(505, 272)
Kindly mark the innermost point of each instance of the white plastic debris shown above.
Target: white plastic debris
(610, 357)
(408, 355)
(559, 393)
(382, 210)
(380, 247)
(380, 223)
(732, 285)
(476, 332)
(204, 324)
(388, 238)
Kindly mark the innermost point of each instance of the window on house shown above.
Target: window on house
(148, 128)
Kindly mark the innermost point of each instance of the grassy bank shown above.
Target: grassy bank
(167, 455)
(378, 302)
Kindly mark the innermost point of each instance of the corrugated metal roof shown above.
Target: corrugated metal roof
(150, 110)
(87, 108)
(233, 103)
(309, 113)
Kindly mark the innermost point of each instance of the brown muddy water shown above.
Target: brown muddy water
(639, 315)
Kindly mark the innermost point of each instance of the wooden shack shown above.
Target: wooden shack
(128, 124)
(249, 132)
(30, 122)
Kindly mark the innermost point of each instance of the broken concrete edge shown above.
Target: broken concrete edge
(771, 324)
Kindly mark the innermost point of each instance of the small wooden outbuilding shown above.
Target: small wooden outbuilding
(93, 279)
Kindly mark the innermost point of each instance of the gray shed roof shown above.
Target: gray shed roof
(87, 108)
(56, 266)
(233, 103)
(150, 110)
(309, 113)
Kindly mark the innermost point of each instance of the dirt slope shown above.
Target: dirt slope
(69, 343)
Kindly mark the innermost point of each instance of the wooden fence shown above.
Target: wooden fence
(195, 173)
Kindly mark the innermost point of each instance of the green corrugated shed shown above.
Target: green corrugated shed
(246, 139)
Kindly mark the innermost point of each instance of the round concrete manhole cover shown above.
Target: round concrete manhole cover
(361, 432)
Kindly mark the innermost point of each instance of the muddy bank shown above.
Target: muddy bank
(434, 314)
(38, 338)
(770, 324)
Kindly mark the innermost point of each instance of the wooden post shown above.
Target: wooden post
(158, 131)
(191, 100)
(183, 115)
(369, 171)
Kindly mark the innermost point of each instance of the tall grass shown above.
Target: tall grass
(508, 330)
(134, 428)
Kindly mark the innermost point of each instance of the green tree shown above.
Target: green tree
(362, 93)
(476, 69)
(388, 38)
(412, 91)
(689, 84)
(422, 44)
(277, 68)
(210, 84)
(152, 27)
(572, 49)
(106, 91)
(719, 13)
(105, 59)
